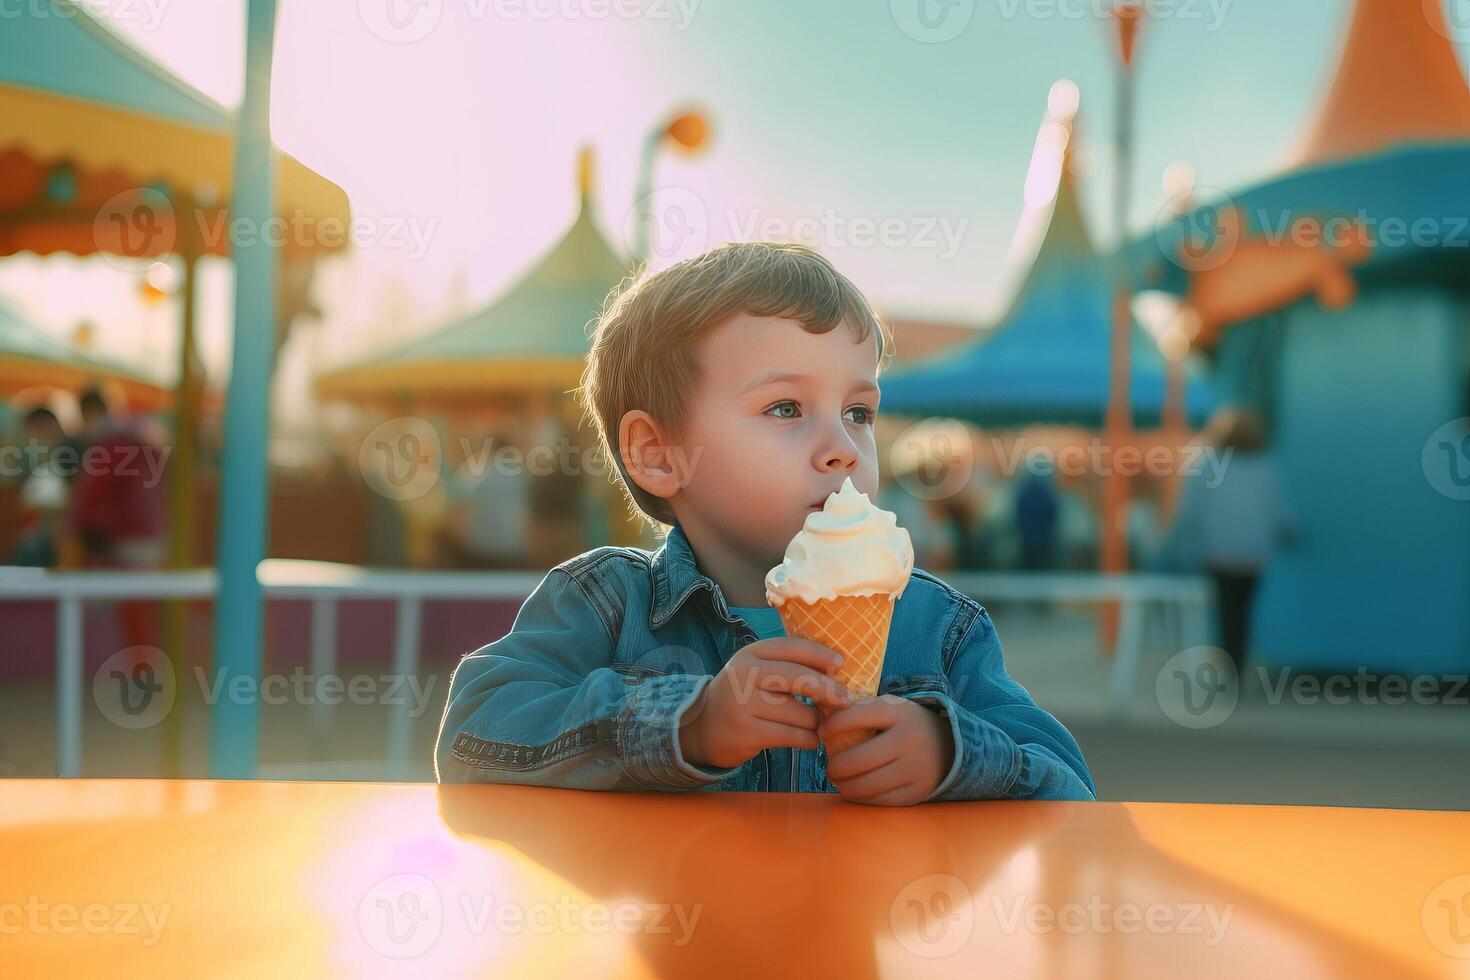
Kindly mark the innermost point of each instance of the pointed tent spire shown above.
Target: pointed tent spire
(1398, 81)
(1048, 359)
(1051, 236)
(586, 175)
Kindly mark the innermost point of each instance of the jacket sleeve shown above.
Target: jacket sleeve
(543, 705)
(1005, 746)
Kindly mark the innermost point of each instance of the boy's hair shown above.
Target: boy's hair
(644, 353)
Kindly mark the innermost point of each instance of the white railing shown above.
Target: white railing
(1183, 601)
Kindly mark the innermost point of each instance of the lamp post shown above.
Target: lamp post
(1127, 18)
(687, 132)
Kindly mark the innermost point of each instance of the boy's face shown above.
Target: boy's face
(779, 418)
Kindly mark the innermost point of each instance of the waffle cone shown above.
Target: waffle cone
(856, 626)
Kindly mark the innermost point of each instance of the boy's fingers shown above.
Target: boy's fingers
(875, 753)
(793, 679)
(798, 651)
(873, 713)
(870, 784)
(789, 711)
(774, 735)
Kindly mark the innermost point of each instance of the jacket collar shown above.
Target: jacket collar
(676, 577)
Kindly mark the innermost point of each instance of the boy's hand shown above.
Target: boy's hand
(751, 703)
(902, 764)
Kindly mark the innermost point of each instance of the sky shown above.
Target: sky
(453, 125)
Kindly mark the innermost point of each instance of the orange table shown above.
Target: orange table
(196, 878)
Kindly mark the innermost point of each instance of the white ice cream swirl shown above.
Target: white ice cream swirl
(849, 547)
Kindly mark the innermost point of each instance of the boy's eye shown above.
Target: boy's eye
(865, 414)
(778, 410)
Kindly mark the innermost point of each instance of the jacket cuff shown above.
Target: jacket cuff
(987, 761)
(648, 734)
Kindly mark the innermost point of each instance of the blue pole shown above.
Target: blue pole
(244, 481)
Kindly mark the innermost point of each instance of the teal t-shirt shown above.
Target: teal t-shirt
(763, 620)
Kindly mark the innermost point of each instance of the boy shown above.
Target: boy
(735, 391)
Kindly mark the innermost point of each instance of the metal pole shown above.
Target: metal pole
(1119, 422)
(245, 481)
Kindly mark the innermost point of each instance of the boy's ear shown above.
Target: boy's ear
(652, 460)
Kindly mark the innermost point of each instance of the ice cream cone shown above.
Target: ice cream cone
(856, 626)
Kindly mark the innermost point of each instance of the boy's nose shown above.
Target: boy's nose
(837, 454)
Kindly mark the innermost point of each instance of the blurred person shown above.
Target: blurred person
(1036, 521)
(117, 507)
(1232, 529)
(492, 508)
(556, 527)
(1077, 527)
(42, 477)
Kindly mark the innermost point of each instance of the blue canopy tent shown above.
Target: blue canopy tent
(1355, 351)
(1048, 360)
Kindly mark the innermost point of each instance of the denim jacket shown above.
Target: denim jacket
(589, 687)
